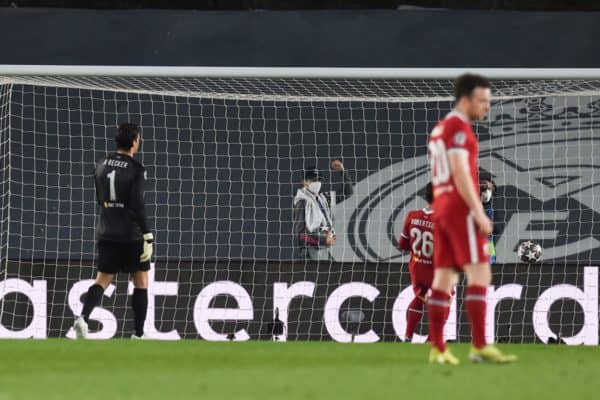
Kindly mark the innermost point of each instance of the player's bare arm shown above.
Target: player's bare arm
(459, 168)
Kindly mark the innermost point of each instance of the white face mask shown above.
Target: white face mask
(486, 196)
(314, 187)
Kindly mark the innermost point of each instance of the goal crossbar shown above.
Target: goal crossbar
(297, 72)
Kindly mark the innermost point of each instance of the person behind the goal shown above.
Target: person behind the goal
(123, 237)
(461, 226)
(487, 188)
(313, 212)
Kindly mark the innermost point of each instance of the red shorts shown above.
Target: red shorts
(421, 277)
(458, 241)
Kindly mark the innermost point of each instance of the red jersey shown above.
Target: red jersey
(417, 237)
(452, 134)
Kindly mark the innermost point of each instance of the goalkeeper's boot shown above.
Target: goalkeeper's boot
(490, 354)
(143, 337)
(81, 328)
(437, 357)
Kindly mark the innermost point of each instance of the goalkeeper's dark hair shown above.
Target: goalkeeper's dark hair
(428, 193)
(126, 135)
(465, 84)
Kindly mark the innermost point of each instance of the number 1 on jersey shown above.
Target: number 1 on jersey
(112, 185)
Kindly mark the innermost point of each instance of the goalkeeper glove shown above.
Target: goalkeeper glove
(148, 240)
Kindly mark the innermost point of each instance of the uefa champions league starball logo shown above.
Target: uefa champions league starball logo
(544, 154)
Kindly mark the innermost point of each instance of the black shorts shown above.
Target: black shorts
(116, 257)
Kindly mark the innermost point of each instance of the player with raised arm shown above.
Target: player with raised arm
(122, 233)
(417, 237)
(461, 226)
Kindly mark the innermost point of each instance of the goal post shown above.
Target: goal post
(225, 150)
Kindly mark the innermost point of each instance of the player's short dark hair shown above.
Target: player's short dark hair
(465, 84)
(126, 135)
(429, 193)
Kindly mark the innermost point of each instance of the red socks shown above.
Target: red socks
(413, 316)
(438, 307)
(475, 302)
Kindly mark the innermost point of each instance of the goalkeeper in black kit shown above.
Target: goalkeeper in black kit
(122, 234)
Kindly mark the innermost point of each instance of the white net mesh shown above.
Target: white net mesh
(224, 159)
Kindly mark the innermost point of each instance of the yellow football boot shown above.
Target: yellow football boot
(490, 354)
(437, 357)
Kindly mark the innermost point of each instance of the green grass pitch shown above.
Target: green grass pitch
(124, 369)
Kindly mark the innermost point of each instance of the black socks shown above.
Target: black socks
(139, 303)
(92, 299)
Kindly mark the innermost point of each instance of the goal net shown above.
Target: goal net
(225, 157)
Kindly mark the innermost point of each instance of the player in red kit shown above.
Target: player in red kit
(461, 226)
(417, 237)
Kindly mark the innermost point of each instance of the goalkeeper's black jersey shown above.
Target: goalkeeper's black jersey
(119, 183)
